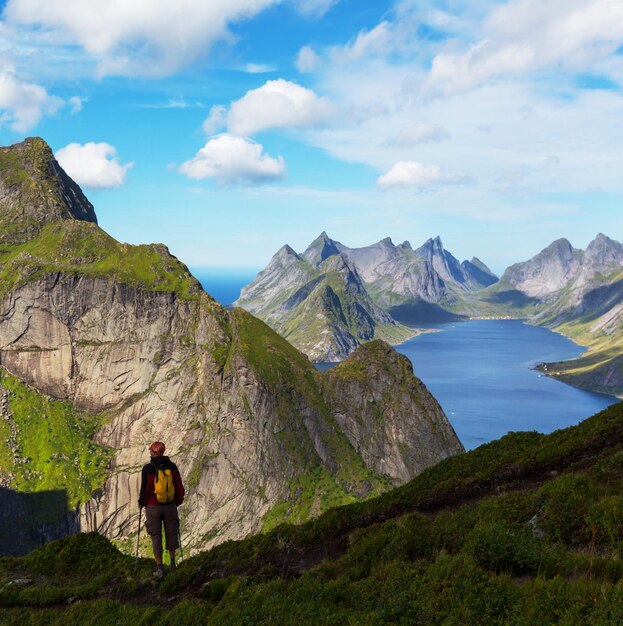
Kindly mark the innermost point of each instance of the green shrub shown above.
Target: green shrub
(605, 518)
(566, 503)
(83, 554)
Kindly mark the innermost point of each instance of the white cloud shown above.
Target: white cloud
(522, 36)
(230, 159)
(258, 68)
(307, 60)
(411, 174)
(216, 120)
(75, 104)
(23, 104)
(94, 165)
(378, 41)
(141, 37)
(314, 8)
(173, 103)
(276, 104)
(418, 133)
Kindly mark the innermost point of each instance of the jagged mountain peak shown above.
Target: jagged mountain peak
(477, 273)
(602, 241)
(476, 262)
(601, 238)
(561, 246)
(433, 245)
(405, 245)
(36, 191)
(603, 255)
(320, 249)
(285, 252)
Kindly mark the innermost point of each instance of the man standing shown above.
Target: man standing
(161, 493)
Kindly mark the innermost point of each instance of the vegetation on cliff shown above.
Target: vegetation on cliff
(36, 191)
(82, 248)
(47, 445)
(293, 378)
(524, 530)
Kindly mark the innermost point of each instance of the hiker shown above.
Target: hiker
(161, 493)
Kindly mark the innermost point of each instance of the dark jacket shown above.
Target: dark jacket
(147, 494)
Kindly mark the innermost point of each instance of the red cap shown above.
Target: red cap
(156, 448)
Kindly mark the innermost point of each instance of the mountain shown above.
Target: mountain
(320, 249)
(523, 530)
(330, 298)
(318, 302)
(105, 347)
(36, 191)
(546, 273)
(579, 293)
(399, 277)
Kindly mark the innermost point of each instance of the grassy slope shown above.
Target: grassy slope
(56, 441)
(282, 367)
(600, 368)
(82, 248)
(525, 530)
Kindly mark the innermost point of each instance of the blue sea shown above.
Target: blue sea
(224, 284)
(480, 371)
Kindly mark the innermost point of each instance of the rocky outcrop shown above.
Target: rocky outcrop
(356, 391)
(127, 333)
(35, 191)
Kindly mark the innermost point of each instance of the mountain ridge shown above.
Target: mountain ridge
(390, 278)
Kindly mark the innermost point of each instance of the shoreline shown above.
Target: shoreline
(552, 375)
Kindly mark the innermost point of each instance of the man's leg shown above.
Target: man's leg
(171, 530)
(153, 524)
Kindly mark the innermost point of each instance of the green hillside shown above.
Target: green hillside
(524, 530)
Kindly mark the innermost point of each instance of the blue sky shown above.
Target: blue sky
(228, 128)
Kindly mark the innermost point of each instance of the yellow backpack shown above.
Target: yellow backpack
(163, 486)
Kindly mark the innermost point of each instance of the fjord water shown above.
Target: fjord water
(481, 373)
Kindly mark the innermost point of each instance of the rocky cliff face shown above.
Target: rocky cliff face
(546, 273)
(372, 419)
(126, 333)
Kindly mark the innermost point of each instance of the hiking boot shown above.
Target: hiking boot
(159, 572)
(172, 566)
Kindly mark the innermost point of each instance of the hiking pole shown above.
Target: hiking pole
(138, 537)
(179, 539)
